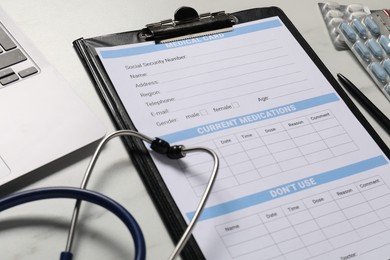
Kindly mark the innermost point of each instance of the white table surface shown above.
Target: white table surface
(38, 230)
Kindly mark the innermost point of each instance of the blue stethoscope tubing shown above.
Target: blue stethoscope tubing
(84, 195)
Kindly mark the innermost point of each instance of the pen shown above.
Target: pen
(381, 118)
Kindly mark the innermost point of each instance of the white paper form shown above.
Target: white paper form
(300, 178)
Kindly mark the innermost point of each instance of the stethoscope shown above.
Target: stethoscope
(83, 194)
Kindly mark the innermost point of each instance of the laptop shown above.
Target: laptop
(41, 118)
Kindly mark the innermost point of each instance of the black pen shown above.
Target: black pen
(381, 118)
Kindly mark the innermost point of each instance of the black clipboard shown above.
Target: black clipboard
(187, 21)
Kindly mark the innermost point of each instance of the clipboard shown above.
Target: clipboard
(187, 23)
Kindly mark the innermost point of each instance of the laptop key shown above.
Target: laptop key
(12, 57)
(5, 41)
(6, 72)
(9, 79)
(27, 72)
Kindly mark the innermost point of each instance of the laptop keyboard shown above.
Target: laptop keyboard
(15, 64)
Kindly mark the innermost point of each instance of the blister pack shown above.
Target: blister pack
(365, 33)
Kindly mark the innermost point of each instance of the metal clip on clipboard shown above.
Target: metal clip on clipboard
(187, 23)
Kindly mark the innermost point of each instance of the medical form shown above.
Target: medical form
(300, 177)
